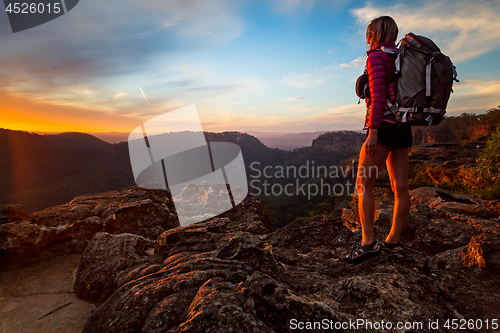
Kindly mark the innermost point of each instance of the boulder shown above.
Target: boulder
(449, 163)
(68, 228)
(483, 251)
(203, 279)
(341, 142)
(10, 213)
(438, 220)
(105, 256)
(232, 273)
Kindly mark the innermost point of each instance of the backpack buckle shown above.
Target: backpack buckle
(429, 119)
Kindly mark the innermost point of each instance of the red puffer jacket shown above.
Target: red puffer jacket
(382, 79)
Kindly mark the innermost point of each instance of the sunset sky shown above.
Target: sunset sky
(272, 66)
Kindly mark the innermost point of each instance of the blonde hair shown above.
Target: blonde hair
(384, 29)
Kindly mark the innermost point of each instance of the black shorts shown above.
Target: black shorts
(394, 135)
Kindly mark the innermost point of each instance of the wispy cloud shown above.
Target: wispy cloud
(304, 108)
(350, 116)
(339, 118)
(143, 95)
(356, 62)
(119, 95)
(173, 21)
(304, 80)
(100, 50)
(290, 6)
(87, 91)
(474, 96)
(463, 30)
(292, 99)
(297, 80)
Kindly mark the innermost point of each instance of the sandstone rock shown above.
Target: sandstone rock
(435, 163)
(438, 221)
(234, 275)
(484, 251)
(10, 213)
(450, 163)
(481, 255)
(105, 255)
(68, 228)
(482, 131)
(209, 276)
(441, 133)
(341, 142)
(135, 210)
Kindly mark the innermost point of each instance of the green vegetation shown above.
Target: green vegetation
(492, 116)
(488, 163)
(420, 180)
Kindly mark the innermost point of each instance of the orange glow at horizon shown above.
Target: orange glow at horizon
(19, 113)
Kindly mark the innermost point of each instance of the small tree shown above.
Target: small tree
(488, 163)
(492, 116)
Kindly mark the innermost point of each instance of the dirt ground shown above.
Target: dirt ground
(39, 298)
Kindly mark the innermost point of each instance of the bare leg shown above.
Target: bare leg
(369, 167)
(397, 165)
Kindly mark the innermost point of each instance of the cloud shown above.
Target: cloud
(463, 30)
(214, 22)
(291, 6)
(119, 95)
(475, 96)
(292, 99)
(45, 117)
(143, 95)
(297, 80)
(107, 46)
(354, 112)
(304, 108)
(360, 61)
(87, 91)
(301, 7)
(349, 117)
(304, 80)
(172, 22)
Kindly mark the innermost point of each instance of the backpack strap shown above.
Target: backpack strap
(388, 50)
(428, 71)
(392, 51)
(393, 108)
(414, 109)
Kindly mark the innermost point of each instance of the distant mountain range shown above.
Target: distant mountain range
(38, 171)
(285, 141)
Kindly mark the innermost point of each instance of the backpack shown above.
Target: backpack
(425, 80)
(362, 86)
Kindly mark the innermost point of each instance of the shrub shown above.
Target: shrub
(488, 163)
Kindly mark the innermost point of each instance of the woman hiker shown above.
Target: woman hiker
(385, 142)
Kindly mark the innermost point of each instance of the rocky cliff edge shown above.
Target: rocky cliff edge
(233, 274)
